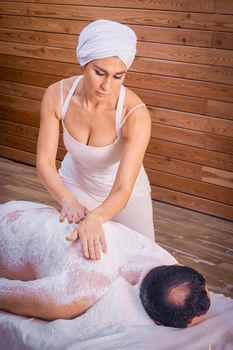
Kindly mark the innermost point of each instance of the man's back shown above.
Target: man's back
(34, 248)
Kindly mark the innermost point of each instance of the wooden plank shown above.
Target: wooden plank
(124, 15)
(192, 121)
(178, 135)
(222, 40)
(191, 104)
(191, 186)
(217, 177)
(174, 5)
(162, 132)
(167, 100)
(29, 78)
(192, 138)
(22, 117)
(195, 203)
(160, 83)
(191, 154)
(207, 227)
(17, 24)
(18, 142)
(205, 252)
(179, 53)
(21, 90)
(179, 36)
(24, 144)
(219, 143)
(174, 101)
(161, 67)
(221, 75)
(38, 24)
(219, 109)
(23, 103)
(20, 103)
(38, 38)
(225, 7)
(159, 99)
(216, 57)
(38, 66)
(25, 131)
(18, 155)
(172, 166)
(154, 162)
(40, 52)
(189, 170)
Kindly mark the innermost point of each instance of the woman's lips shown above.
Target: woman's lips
(101, 94)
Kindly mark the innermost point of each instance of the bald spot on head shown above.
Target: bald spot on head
(178, 294)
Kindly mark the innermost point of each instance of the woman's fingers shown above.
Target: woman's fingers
(62, 215)
(85, 248)
(69, 218)
(73, 214)
(76, 219)
(91, 236)
(97, 248)
(91, 249)
(73, 237)
(103, 243)
(86, 211)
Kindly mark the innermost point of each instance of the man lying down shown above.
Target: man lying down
(45, 276)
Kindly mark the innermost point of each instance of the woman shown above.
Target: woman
(106, 130)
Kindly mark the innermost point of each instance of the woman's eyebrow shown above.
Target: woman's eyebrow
(123, 72)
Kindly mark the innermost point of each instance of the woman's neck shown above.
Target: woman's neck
(92, 102)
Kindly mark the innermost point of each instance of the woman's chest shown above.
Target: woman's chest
(92, 128)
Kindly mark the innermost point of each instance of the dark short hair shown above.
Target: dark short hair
(173, 295)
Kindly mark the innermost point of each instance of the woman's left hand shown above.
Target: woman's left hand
(92, 237)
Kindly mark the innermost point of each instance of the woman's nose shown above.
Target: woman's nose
(106, 84)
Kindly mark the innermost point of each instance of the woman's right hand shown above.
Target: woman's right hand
(73, 211)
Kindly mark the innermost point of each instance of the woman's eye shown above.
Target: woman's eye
(99, 73)
(118, 77)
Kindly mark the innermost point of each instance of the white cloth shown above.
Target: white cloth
(119, 322)
(104, 38)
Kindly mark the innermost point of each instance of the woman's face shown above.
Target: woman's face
(103, 77)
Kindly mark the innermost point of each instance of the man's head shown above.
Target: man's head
(175, 295)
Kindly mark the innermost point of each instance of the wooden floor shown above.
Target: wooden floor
(198, 240)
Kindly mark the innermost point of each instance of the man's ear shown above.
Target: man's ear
(157, 323)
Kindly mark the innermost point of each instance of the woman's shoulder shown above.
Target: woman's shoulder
(131, 100)
(56, 92)
(66, 84)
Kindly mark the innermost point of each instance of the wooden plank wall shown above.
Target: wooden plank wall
(183, 72)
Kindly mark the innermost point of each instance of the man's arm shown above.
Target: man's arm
(41, 299)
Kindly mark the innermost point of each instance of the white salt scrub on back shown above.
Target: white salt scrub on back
(32, 238)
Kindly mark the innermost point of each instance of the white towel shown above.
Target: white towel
(118, 321)
(104, 38)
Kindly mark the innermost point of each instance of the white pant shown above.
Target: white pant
(137, 215)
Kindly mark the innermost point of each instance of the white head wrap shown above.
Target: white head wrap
(104, 38)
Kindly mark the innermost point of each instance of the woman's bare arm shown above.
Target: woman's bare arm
(47, 146)
(136, 135)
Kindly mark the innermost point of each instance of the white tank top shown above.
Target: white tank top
(94, 168)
